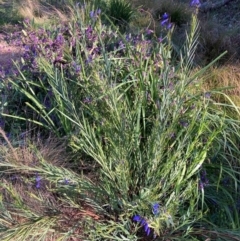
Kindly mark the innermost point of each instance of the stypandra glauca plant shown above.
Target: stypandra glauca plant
(152, 139)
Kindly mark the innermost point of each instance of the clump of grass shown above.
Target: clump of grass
(225, 79)
(179, 11)
(158, 160)
(120, 12)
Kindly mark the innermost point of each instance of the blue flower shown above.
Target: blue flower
(195, 3)
(147, 229)
(165, 16)
(169, 25)
(165, 21)
(156, 208)
(137, 218)
(143, 223)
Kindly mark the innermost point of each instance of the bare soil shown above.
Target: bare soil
(8, 53)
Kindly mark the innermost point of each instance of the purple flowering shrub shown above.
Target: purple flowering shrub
(58, 47)
(77, 52)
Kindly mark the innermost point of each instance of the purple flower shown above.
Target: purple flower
(169, 26)
(146, 229)
(195, 3)
(98, 11)
(89, 59)
(137, 218)
(149, 31)
(156, 208)
(92, 14)
(165, 21)
(27, 21)
(76, 67)
(128, 37)
(66, 181)
(59, 40)
(165, 16)
(15, 177)
(143, 223)
(38, 181)
(121, 44)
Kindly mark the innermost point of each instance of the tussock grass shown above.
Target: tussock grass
(141, 150)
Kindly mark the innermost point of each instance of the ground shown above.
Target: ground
(8, 52)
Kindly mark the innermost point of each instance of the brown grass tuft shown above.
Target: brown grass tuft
(224, 76)
(13, 151)
(227, 77)
(33, 10)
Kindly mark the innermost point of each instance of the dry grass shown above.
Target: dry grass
(41, 14)
(34, 11)
(226, 76)
(27, 205)
(12, 150)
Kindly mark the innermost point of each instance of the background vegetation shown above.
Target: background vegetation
(118, 125)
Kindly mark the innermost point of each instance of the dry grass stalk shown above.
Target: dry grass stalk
(14, 153)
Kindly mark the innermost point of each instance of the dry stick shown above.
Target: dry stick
(207, 6)
(9, 144)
